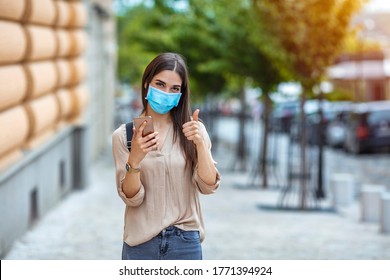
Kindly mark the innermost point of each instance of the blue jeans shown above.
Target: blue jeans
(170, 244)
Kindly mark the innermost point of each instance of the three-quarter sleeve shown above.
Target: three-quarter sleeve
(203, 187)
(121, 154)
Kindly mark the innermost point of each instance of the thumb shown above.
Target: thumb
(195, 116)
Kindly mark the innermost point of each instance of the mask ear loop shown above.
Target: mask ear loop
(146, 97)
(146, 86)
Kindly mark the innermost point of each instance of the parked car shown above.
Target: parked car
(368, 127)
(337, 125)
(282, 115)
(313, 121)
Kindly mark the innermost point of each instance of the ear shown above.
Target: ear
(145, 85)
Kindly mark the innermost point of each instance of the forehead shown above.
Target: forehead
(169, 77)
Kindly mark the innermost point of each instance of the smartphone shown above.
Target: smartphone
(149, 124)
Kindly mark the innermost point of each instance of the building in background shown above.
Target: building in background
(57, 76)
(366, 75)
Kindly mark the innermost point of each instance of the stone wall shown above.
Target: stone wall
(42, 72)
(45, 142)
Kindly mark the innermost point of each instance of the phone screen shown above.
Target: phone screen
(149, 124)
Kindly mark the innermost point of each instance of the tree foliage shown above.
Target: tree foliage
(311, 32)
(218, 38)
(140, 37)
(267, 41)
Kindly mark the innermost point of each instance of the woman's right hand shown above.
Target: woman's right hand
(140, 146)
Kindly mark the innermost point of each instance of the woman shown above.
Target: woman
(160, 178)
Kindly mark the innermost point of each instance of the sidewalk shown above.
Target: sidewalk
(240, 224)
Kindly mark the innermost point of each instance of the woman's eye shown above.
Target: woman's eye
(159, 84)
(176, 89)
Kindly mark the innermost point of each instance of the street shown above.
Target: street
(369, 168)
(242, 220)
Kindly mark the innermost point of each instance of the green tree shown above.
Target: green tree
(311, 32)
(141, 36)
(222, 41)
(236, 45)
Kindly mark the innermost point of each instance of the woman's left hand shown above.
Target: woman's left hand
(191, 129)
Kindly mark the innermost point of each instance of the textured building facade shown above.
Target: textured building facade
(57, 61)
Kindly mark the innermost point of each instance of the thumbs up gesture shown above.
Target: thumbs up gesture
(191, 129)
(195, 115)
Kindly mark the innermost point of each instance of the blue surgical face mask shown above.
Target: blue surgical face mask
(160, 101)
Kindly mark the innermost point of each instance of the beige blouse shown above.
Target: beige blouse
(168, 194)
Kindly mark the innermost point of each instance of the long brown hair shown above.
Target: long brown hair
(180, 114)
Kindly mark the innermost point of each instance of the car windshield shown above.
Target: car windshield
(379, 116)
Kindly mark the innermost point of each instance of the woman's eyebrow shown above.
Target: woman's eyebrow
(160, 81)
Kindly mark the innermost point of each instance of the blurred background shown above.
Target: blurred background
(295, 96)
